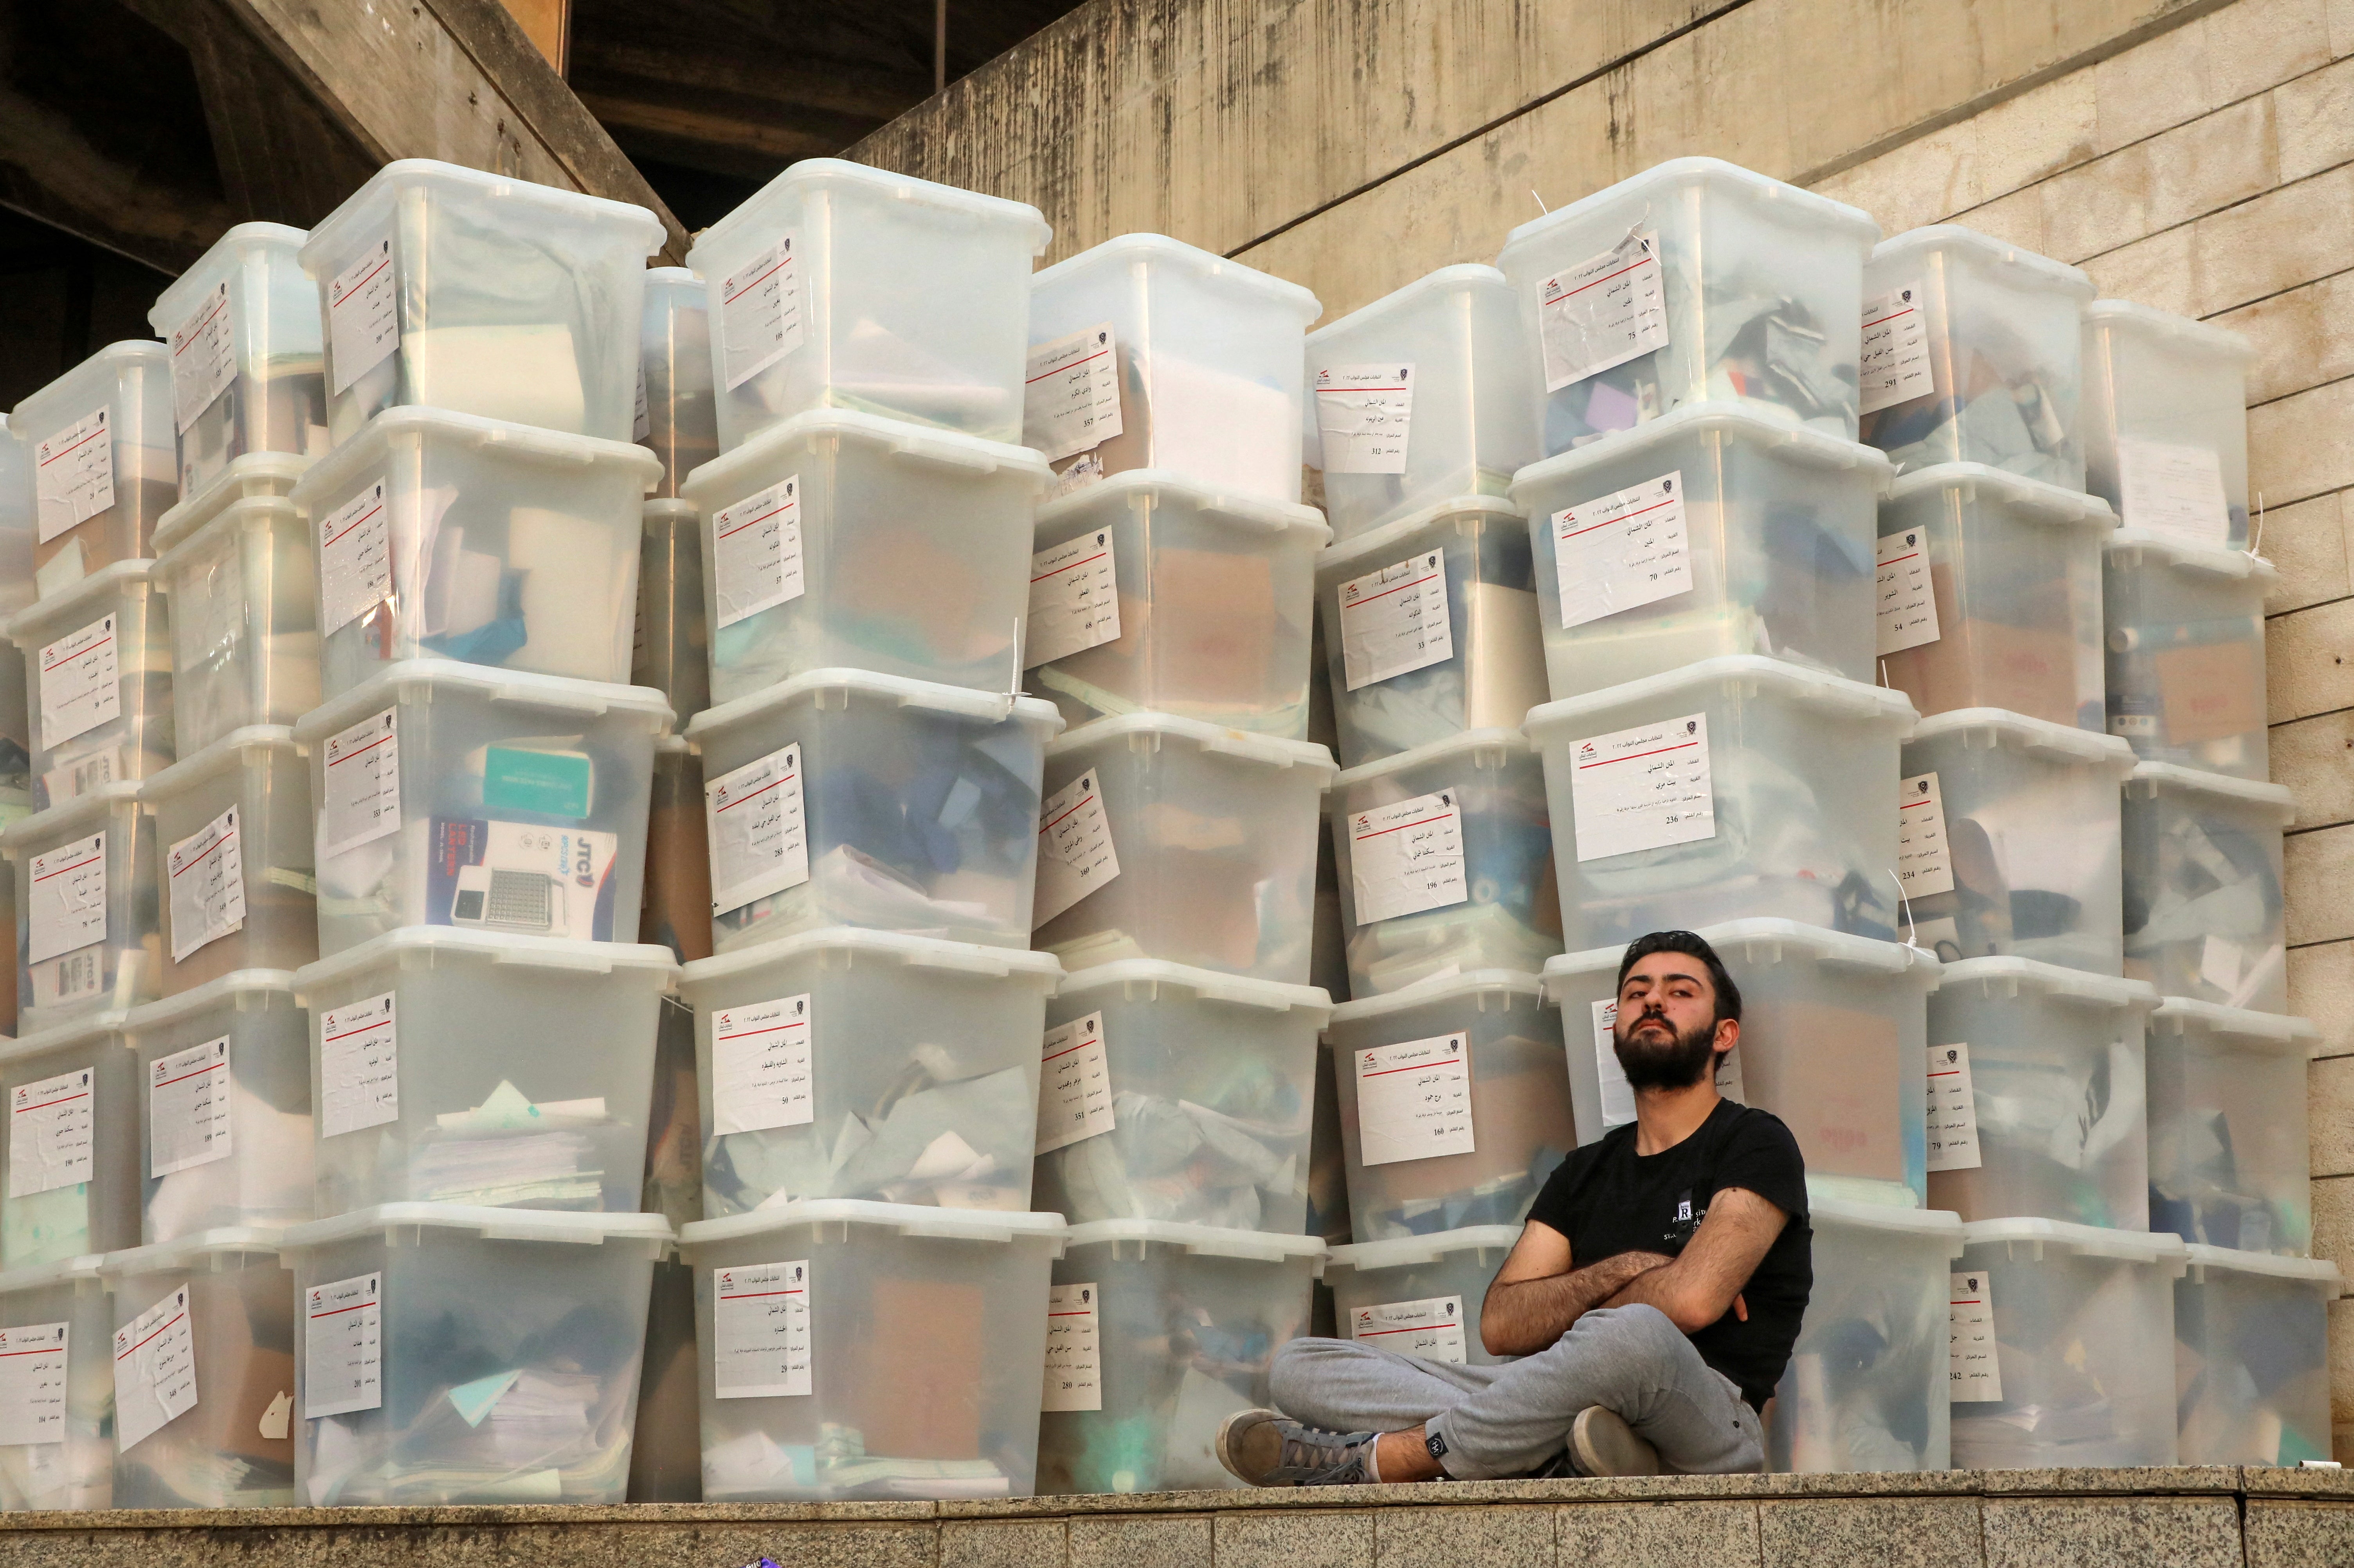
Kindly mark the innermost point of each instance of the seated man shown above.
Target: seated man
(1652, 1297)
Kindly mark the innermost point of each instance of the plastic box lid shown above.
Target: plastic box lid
(524, 443)
(2039, 501)
(722, 480)
(2087, 1241)
(1265, 750)
(1161, 250)
(115, 357)
(819, 173)
(2277, 1031)
(1205, 1241)
(238, 982)
(492, 1224)
(28, 629)
(2216, 562)
(92, 806)
(367, 204)
(1208, 985)
(1849, 699)
(240, 509)
(887, 946)
(1441, 989)
(549, 953)
(524, 688)
(1836, 948)
(160, 1257)
(180, 295)
(65, 1036)
(957, 702)
(252, 476)
(2050, 980)
(1406, 1252)
(669, 512)
(2318, 1271)
(1794, 443)
(64, 1271)
(2180, 331)
(1390, 540)
(2044, 271)
(1474, 741)
(2022, 733)
(903, 1219)
(218, 757)
(1260, 516)
(673, 275)
(1729, 178)
(2161, 776)
(1888, 1217)
(1466, 276)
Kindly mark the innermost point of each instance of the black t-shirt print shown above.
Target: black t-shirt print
(1608, 1198)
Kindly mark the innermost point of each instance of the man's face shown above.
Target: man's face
(1667, 1036)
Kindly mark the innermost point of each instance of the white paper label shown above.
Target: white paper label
(343, 1347)
(363, 314)
(188, 1108)
(1604, 312)
(33, 1383)
(154, 1371)
(360, 1066)
(1906, 604)
(1619, 551)
(1974, 1368)
(1618, 1094)
(760, 313)
(1074, 1085)
(1070, 395)
(1075, 850)
(1643, 789)
(1073, 1349)
(74, 474)
(1953, 1110)
(1431, 1328)
(2175, 493)
(204, 358)
(355, 559)
(756, 552)
(761, 1331)
(1074, 598)
(68, 898)
(207, 872)
(1924, 860)
(363, 768)
(1364, 413)
(80, 688)
(1407, 857)
(761, 1070)
(1414, 1099)
(1396, 620)
(50, 1136)
(760, 843)
(1895, 364)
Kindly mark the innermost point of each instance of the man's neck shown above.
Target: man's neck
(1665, 1118)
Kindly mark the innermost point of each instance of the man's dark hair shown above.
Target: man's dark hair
(1692, 945)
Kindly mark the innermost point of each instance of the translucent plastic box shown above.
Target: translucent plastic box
(1420, 1296)
(871, 1351)
(1455, 1104)
(224, 1123)
(248, 373)
(480, 1068)
(98, 682)
(1712, 531)
(2007, 839)
(1693, 281)
(242, 597)
(677, 911)
(1865, 1389)
(1167, 838)
(61, 1313)
(672, 652)
(1156, 1334)
(87, 934)
(2205, 916)
(2252, 1358)
(1147, 592)
(2040, 1097)
(844, 1064)
(1833, 1036)
(1972, 353)
(1445, 862)
(842, 798)
(2165, 423)
(2186, 652)
(204, 1372)
(1990, 594)
(2228, 1164)
(104, 465)
(1460, 420)
(71, 1182)
(842, 538)
(447, 536)
(451, 795)
(1735, 788)
(1177, 1094)
(1411, 664)
(18, 526)
(233, 845)
(418, 1386)
(480, 294)
(1202, 370)
(2062, 1353)
(677, 416)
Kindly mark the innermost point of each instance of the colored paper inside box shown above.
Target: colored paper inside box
(2210, 691)
(920, 1392)
(1832, 1074)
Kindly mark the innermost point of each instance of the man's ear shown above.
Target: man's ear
(1728, 1034)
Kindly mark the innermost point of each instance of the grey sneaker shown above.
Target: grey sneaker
(1267, 1449)
(1602, 1444)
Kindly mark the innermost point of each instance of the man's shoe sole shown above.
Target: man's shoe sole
(1602, 1444)
(1241, 1436)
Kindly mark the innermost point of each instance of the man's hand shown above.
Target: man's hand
(1537, 1295)
(1703, 1283)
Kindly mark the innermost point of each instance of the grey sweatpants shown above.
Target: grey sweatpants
(1510, 1420)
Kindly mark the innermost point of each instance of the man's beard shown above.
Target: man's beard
(1652, 1063)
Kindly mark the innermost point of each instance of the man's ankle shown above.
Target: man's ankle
(1405, 1456)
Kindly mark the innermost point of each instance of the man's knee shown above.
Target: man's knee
(1634, 1335)
(1291, 1376)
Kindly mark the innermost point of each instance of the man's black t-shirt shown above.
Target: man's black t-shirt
(1608, 1198)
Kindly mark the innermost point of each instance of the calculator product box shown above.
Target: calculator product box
(72, 1181)
(1181, 1095)
(2186, 652)
(416, 1384)
(677, 913)
(2165, 423)
(844, 538)
(1423, 395)
(56, 1330)
(1156, 1332)
(1148, 353)
(1712, 531)
(480, 294)
(234, 856)
(871, 1351)
(1420, 1294)
(672, 652)
(2062, 1346)
(2205, 909)
(1167, 838)
(2039, 1097)
(1149, 592)
(2228, 1163)
(1990, 594)
(870, 1065)
(447, 794)
(242, 597)
(225, 1130)
(87, 935)
(2252, 1358)
(1695, 281)
(248, 373)
(98, 682)
(677, 416)
(847, 798)
(1732, 788)
(104, 465)
(481, 1068)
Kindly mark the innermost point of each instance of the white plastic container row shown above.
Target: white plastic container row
(2186, 652)
(1420, 1294)
(72, 1181)
(56, 1323)
(234, 847)
(2252, 1358)
(2165, 423)
(103, 464)
(2228, 1162)
(2206, 908)
(98, 682)
(248, 373)
(88, 937)
(241, 590)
